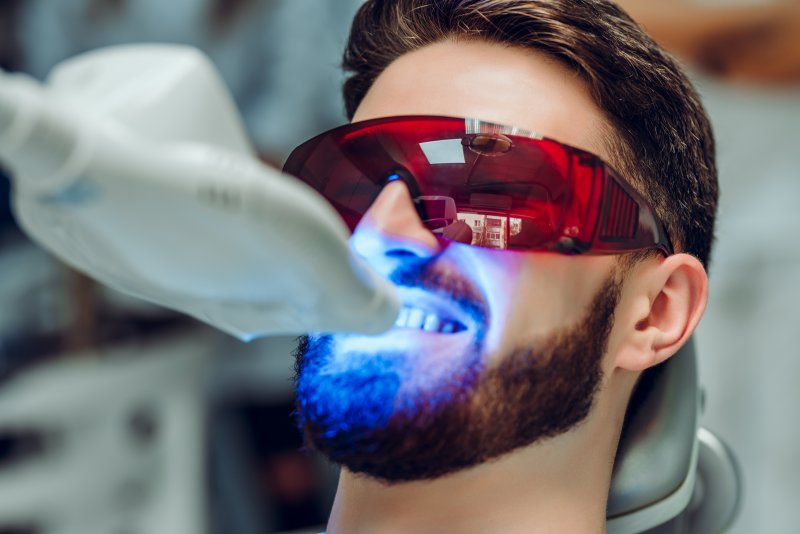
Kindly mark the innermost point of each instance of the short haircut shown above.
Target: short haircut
(661, 140)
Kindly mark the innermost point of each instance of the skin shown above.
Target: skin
(560, 484)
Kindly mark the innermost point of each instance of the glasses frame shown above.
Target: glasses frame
(613, 219)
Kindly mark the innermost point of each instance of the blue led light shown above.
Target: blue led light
(393, 177)
(81, 192)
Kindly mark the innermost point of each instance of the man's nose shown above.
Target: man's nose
(391, 231)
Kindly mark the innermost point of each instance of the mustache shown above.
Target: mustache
(428, 275)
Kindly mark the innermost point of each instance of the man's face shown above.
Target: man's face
(494, 349)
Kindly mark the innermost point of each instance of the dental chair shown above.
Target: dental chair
(671, 476)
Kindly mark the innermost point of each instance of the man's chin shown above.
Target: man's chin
(373, 410)
(378, 426)
(387, 418)
(386, 428)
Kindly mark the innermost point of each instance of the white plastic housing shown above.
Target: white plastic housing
(131, 164)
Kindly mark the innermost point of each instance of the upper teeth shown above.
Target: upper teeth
(418, 318)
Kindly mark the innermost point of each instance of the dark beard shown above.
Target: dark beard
(532, 394)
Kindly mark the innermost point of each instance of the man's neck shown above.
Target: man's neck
(559, 485)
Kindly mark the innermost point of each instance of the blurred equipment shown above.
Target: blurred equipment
(131, 164)
(103, 443)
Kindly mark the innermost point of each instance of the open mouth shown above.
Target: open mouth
(417, 318)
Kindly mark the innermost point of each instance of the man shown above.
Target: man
(497, 401)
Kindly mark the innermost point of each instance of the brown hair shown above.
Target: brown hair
(662, 140)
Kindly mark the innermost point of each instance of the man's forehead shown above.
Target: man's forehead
(492, 82)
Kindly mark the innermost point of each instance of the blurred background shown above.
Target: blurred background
(231, 402)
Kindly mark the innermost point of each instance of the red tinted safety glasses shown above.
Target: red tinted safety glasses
(482, 183)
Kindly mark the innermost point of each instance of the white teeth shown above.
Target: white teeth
(431, 323)
(416, 318)
(420, 319)
(402, 319)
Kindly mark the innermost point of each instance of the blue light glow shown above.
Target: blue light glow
(349, 402)
(351, 385)
(80, 192)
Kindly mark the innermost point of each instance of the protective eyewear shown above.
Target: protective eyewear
(483, 184)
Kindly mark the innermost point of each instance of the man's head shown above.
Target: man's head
(541, 335)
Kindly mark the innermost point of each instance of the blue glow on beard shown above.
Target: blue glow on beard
(345, 397)
(348, 402)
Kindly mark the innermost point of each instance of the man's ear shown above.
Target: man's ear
(667, 300)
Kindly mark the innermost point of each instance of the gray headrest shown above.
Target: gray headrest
(654, 455)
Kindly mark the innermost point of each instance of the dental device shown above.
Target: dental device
(131, 164)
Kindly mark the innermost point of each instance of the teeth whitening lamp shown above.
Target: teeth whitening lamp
(131, 164)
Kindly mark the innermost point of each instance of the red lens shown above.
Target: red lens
(514, 189)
